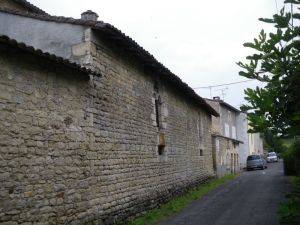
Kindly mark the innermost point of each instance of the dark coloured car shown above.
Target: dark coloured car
(256, 162)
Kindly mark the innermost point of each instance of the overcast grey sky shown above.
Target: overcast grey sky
(198, 40)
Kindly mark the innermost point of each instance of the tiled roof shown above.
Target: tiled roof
(130, 46)
(53, 58)
(30, 6)
(232, 139)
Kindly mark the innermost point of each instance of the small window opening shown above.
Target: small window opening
(201, 152)
(161, 149)
(156, 84)
(157, 105)
(200, 128)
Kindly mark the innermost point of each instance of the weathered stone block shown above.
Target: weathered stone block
(87, 151)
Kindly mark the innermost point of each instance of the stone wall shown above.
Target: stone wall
(126, 120)
(227, 154)
(216, 124)
(75, 151)
(44, 141)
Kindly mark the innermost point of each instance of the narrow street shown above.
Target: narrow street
(251, 199)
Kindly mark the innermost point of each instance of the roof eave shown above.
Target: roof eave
(229, 138)
(30, 6)
(127, 41)
(72, 65)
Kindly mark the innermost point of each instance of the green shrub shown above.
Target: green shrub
(289, 211)
(292, 159)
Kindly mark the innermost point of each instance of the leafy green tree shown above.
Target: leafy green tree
(272, 142)
(276, 62)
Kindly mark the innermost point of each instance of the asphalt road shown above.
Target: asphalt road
(251, 199)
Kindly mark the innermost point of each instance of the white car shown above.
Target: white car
(272, 157)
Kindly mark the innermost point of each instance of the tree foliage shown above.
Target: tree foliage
(276, 63)
(273, 143)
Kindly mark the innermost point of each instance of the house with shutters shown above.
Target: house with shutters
(93, 128)
(229, 145)
(232, 143)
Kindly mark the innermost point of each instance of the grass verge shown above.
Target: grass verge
(179, 203)
(289, 212)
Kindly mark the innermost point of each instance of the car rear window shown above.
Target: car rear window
(272, 154)
(253, 157)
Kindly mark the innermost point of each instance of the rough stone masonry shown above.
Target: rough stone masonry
(99, 151)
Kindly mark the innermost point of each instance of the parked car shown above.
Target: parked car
(278, 155)
(256, 162)
(272, 157)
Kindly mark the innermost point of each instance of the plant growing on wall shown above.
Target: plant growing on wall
(276, 63)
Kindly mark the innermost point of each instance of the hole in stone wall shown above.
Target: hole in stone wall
(157, 113)
(161, 149)
(11, 190)
(68, 120)
(201, 152)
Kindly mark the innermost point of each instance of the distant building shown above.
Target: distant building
(242, 134)
(225, 139)
(232, 143)
(256, 144)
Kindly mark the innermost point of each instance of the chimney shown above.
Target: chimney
(89, 15)
(216, 98)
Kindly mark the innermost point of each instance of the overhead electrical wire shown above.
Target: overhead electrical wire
(226, 84)
(244, 81)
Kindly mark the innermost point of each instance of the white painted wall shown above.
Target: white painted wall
(256, 144)
(242, 135)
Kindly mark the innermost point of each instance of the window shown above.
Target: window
(233, 135)
(229, 116)
(227, 145)
(157, 104)
(161, 150)
(201, 152)
(217, 145)
(227, 130)
(200, 128)
(157, 112)
(253, 157)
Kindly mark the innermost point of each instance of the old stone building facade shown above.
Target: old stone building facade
(82, 149)
(225, 138)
